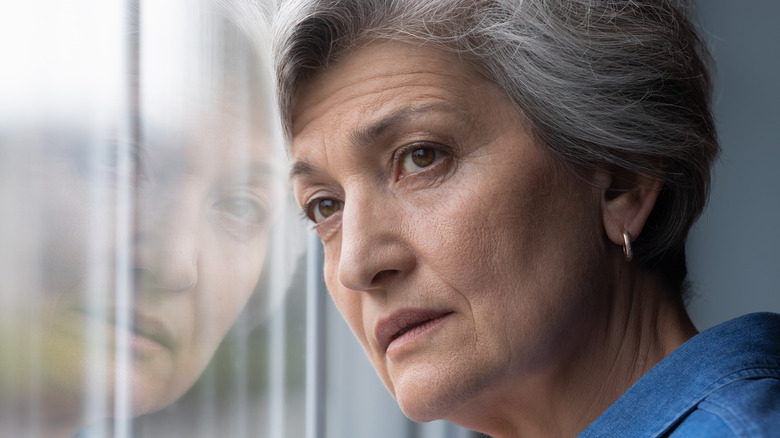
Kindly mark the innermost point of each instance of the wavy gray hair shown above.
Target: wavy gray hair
(604, 84)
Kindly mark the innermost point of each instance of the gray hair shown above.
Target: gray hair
(603, 84)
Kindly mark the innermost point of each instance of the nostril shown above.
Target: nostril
(383, 276)
(169, 278)
(167, 259)
(175, 282)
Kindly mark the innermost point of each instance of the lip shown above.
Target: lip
(145, 330)
(403, 323)
(152, 328)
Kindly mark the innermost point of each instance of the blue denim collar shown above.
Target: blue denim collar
(745, 347)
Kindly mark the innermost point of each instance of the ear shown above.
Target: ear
(628, 198)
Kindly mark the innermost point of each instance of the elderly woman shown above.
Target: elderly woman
(503, 189)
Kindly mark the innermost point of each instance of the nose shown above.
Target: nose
(374, 245)
(167, 242)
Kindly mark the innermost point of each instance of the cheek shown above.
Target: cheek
(78, 224)
(45, 223)
(229, 275)
(63, 247)
(478, 236)
(511, 244)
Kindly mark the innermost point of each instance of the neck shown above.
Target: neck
(641, 325)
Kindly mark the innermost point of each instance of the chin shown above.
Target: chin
(421, 410)
(448, 390)
(154, 396)
(428, 394)
(147, 391)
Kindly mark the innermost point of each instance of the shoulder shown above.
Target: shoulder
(724, 382)
(743, 408)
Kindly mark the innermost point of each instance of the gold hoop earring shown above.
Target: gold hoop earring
(627, 246)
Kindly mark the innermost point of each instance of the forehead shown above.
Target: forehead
(204, 125)
(379, 77)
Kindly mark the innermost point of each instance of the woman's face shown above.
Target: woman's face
(132, 260)
(462, 256)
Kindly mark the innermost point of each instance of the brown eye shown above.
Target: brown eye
(419, 158)
(323, 209)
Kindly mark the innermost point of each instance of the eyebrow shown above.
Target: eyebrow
(370, 134)
(300, 168)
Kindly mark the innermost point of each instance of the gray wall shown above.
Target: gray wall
(733, 250)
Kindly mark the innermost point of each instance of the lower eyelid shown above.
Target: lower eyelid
(328, 228)
(445, 157)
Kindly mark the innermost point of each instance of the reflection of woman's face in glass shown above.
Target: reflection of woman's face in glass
(142, 255)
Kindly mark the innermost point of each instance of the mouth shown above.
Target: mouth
(145, 331)
(406, 325)
(150, 328)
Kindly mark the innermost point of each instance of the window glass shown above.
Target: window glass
(149, 247)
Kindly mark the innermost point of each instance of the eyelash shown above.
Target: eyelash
(307, 209)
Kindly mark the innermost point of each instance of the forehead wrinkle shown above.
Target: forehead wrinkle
(371, 133)
(351, 86)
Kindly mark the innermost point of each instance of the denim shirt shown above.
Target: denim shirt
(724, 382)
